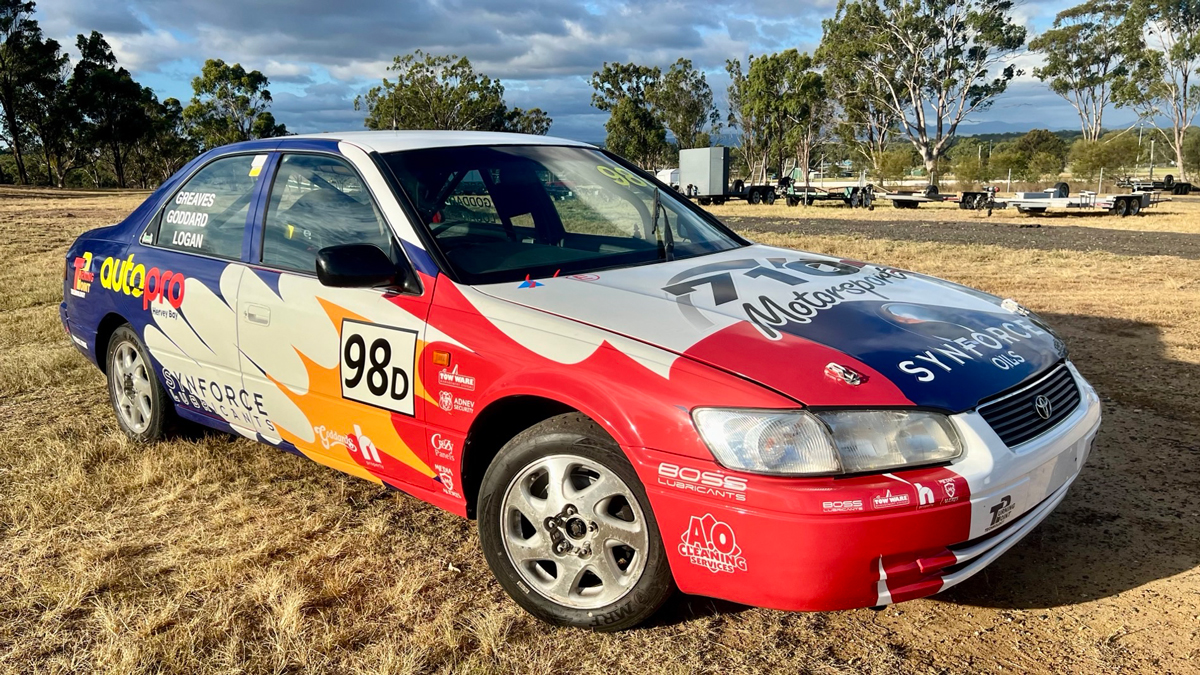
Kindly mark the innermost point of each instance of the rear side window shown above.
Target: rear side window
(209, 214)
(318, 201)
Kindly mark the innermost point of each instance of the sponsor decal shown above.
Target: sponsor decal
(188, 239)
(181, 218)
(452, 378)
(376, 365)
(81, 283)
(234, 404)
(990, 345)
(446, 478)
(443, 447)
(924, 495)
(711, 483)
(530, 283)
(711, 544)
(450, 403)
(950, 488)
(766, 312)
(329, 438)
(133, 279)
(842, 506)
(585, 277)
(889, 500)
(358, 443)
(201, 199)
(1001, 511)
(256, 166)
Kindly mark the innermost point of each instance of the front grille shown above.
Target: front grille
(1014, 416)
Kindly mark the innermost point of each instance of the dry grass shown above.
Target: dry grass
(212, 554)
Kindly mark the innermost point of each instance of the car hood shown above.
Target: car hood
(781, 317)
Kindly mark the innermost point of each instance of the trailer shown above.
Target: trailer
(704, 176)
(852, 196)
(972, 199)
(1086, 201)
(1167, 184)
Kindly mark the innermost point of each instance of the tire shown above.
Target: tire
(513, 512)
(1120, 208)
(718, 201)
(738, 186)
(1135, 206)
(755, 197)
(931, 190)
(704, 201)
(793, 201)
(143, 409)
(1168, 181)
(1062, 190)
(769, 197)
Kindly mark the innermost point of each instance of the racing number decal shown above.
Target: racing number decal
(377, 364)
(621, 176)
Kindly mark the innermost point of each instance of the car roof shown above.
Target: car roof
(395, 141)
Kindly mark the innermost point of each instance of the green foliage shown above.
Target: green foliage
(20, 39)
(864, 124)
(896, 164)
(1084, 57)
(1042, 141)
(444, 92)
(644, 103)
(683, 101)
(969, 161)
(1163, 47)
(615, 82)
(780, 106)
(1044, 166)
(1116, 153)
(229, 104)
(112, 103)
(1006, 160)
(635, 133)
(932, 62)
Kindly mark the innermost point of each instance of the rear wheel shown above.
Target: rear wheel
(142, 406)
(769, 197)
(1135, 206)
(1120, 208)
(567, 529)
(704, 201)
(755, 197)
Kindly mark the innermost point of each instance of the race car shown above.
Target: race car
(628, 396)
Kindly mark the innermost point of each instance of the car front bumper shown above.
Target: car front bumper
(840, 543)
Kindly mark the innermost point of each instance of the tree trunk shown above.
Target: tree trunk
(10, 117)
(1179, 166)
(931, 162)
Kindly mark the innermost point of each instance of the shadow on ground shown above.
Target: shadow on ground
(1131, 517)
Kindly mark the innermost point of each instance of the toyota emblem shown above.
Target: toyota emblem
(1043, 406)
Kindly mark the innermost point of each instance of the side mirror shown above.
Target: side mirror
(360, 266)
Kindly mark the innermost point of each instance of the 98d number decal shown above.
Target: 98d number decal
(377, 363)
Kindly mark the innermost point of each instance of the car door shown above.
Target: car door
(182, 278)
(336, 367)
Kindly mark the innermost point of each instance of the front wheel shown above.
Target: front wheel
(567, 529)
(142, 407)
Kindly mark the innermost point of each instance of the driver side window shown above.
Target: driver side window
(208, 215)
(318, 201)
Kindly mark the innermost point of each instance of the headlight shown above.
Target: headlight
(799, 443)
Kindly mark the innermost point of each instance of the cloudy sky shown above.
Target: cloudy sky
(320, 53)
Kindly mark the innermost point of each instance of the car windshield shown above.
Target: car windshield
(505, 213)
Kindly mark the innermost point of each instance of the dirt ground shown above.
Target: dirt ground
(212, 554)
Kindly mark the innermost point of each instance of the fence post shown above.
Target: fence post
(1100, 185)
(1010, 180)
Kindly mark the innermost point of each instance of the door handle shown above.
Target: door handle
(258, 314)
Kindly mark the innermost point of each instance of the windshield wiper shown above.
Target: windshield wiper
(666, 240)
